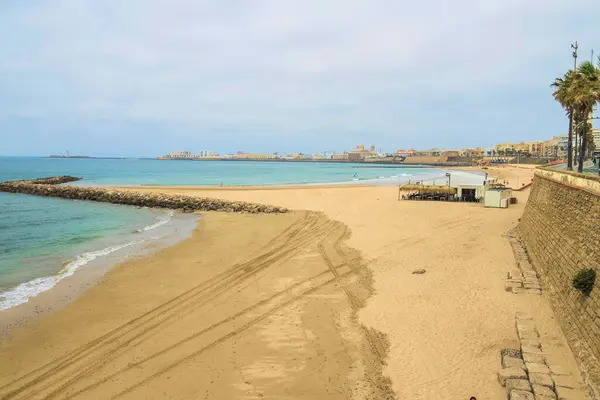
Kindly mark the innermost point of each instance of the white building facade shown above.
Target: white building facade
(596, 136)
(205, 154)
(182, 154)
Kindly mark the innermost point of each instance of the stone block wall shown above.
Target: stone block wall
(561, 232)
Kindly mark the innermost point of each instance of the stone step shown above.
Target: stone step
(510, 373)
(534, 358)
(515, 274)
(533, 291)
(537, 368)
(508, 361)
(518, 384)
(570, 394)
(542, 380)
(543, 393)
(520, 395)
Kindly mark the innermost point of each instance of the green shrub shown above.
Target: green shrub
(584, 280)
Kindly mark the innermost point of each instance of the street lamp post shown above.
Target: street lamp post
(575, 47)
(448, 176)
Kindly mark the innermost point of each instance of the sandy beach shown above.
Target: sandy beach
(317, 303)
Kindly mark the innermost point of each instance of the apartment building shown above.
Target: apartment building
(205, 154)
(181, 154)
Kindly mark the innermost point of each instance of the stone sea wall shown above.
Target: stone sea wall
(51, 187)
(560, 229)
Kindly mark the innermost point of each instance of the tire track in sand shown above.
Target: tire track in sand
(292, 240)
(60, 378)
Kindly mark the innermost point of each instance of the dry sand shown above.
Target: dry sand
(263, 306)
(515, 176)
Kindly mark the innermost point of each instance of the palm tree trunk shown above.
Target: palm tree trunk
(582, 148)
(576, 151)
(570, 143)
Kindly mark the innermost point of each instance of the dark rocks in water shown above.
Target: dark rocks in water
(51, 187)
(54, 180)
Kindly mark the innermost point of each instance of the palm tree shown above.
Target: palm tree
(584, 94)
(578, 91)
(562, 94)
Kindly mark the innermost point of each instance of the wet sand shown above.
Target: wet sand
(297, 306)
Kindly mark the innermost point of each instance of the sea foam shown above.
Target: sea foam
(161, 221)
(22, 293)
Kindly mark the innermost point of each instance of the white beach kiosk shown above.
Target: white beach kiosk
(497, 197)
(485, 191)
(472, 192)
(461, 186)
(471, 187)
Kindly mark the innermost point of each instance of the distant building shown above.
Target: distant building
(473, 152)
(355, 156)
(536, 149)
(550, 148)
(241, 155)
(406, 153)
(513, 148)
(359, 153)
(563, 142)
(450, 153)
(596, 136)
(503, 147)
(428, 153)
(339, 156)
(522, 147)
(205, 154)
(262, 156)
(182, 154)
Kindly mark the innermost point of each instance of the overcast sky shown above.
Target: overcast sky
(143, 77)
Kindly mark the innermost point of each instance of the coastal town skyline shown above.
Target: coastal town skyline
(555, 147)
(550, 148)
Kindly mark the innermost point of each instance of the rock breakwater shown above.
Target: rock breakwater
(51, 187)
(53, 180)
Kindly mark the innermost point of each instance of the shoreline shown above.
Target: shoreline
(156, 237)
(375, 182)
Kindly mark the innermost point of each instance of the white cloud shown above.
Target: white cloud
(382, 66)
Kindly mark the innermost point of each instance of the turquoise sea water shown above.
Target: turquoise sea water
(103, 172)
(40, 237)
(44, 240)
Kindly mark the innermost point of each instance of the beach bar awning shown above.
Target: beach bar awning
(429, 188)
